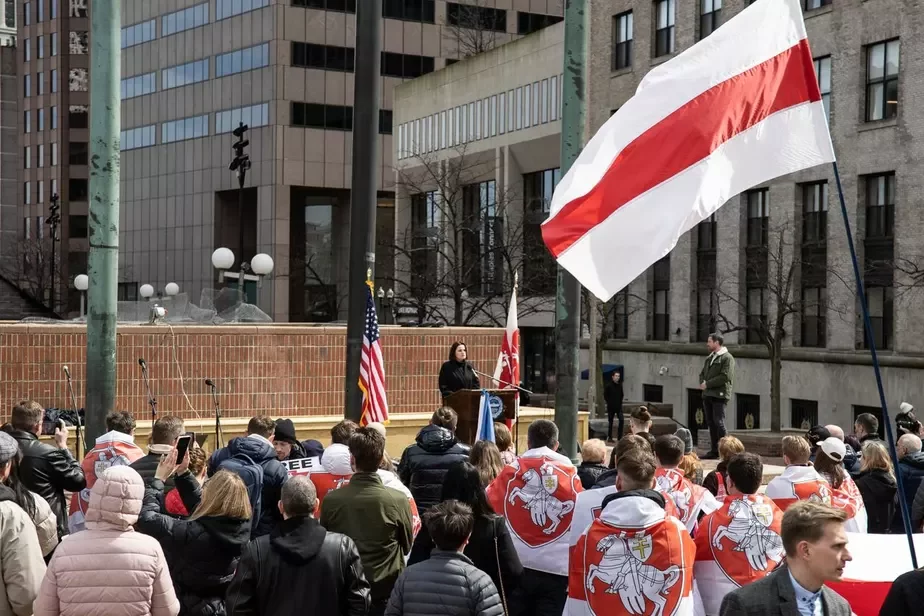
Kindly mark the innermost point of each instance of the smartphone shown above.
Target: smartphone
(192, 435)
(182, 446)
(61, 425)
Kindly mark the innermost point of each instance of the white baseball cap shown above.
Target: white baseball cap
(834, 448)
(905, 407)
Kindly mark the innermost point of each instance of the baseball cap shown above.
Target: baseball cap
(834, 448)
(816, 434)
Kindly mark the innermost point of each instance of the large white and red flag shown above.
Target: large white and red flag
(737, 109)
(507, 370)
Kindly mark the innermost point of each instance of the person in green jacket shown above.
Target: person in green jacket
(717, 381)
(377, 518)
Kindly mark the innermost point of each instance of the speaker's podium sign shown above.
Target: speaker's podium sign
(303, 466)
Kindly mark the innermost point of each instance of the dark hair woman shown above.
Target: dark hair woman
(457, 373)
(490, 547)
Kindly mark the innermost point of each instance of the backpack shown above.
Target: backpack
(252, 475)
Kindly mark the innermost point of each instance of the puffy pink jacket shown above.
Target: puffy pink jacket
(109, 568)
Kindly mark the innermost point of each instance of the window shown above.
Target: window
(27, 13)
(138, 85)
(128, 292)
(185, 74)
(814, 212)
(622, 41)
(539, 272)
(710, 11)
(405, 66)
(803, 414)
(661, 287)
(40, 46)
(811, 5)
(664, 27)
(78, 152)
(40, 158)
(9, 13)
(78, 8)
(621, 315)
(54, 80)
(706, 300)
(54, 9)
(426, 222)
(27, 85)
(27, 228)
(40, 227)
(139, 33)
(230, 8)
(327, 57)
(315, 115)
(481, 238)
(756, 263)
(476, 17)
(187, 128)
(27, 192)
(385, 122)
(346, 6)
(823, 70)
(26, 50)
(758, 216)
(40, 114)
(410, 10)
(240, 60)
(27, 121)
(54, 117)
(133, 138)
(756, 312)
(880, 205)
(77, 80)
(879, 255)
(54, 162)
(814, 323)
(54, 184)
(193, 17)
(77, 224)
(41, 192)
(27, 157)
(79, 43)
(652, 393)
(747, 412)
(527, 23)
(814, 263)
(253, 116)
(40, 10)
(40, 81)
(882, 81)
(54, 42)
(77, 116)
(553, 87)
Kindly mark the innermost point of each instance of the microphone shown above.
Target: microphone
(143, 364)
(67, 373)
(209, 382)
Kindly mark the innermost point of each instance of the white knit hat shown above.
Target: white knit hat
(905, 407)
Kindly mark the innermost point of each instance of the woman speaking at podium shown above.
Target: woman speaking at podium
(457, 373)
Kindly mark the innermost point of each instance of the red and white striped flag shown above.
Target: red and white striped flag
(737, 109)
(507, 370)
(372, 369)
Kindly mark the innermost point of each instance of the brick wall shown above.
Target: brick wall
(278, 369)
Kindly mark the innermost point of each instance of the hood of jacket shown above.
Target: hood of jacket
(6, 494)
(257, 449)
(298, 540)
(336, 460)
(913, 460)
(652, 495)
(227, 531)
(115, 499)
(435, 439)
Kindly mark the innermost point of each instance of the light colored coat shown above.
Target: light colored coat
(46, 525)
(109, 568)
(21, 562)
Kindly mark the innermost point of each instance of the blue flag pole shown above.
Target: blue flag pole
(864, 306)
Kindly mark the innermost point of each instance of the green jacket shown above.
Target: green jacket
(719, 376)
(378, 520)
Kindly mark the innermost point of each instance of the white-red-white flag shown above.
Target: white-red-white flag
(507, 370)
(737, 109)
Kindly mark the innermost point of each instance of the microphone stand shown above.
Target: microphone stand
(151, 399)
(218, 435)
(516, 409)
(70, 388)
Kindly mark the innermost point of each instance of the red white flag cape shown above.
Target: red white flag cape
(111, 449)
(508, 360)
(738, 109)
(797, 483)
(877, 561)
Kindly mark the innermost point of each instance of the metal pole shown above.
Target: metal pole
(568, 294)
(366, 93)
(103, 260)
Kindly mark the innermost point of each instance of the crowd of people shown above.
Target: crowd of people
(447, 528)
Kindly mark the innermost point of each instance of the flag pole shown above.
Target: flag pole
(568, 292)
(864, 307)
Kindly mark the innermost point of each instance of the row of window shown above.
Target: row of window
(334, 117)
(40, 47)
(186, 19)
(77, 227)
(194, 127)
(39, 155)
(40, 83)
(39, 191)
(40, 119)
(517, 109)
(78, 9)
(334, 58)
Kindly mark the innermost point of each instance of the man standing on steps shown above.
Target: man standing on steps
(716, 381)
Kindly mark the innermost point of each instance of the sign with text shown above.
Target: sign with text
(303, 466)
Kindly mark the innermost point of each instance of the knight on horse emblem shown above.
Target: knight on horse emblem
(538, 497)
(750, 532)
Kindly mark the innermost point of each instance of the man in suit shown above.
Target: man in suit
(816, 552)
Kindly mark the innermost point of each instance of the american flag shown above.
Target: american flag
(372, 369)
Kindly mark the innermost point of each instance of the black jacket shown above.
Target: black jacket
(424, 464)
(501, 562)
(274, 475)
(906, 596)
(612, 394)
(299, 568)
(589, 473)
(446, 585)
(146, 466)
(202, 554)
(911, 468)
(878, 490)
(49, 472)
(606, 479)
(711, 482)
(456, 375)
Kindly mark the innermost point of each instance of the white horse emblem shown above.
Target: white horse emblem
(625, 573)
(538, 496)
(682, 498)
(750, 531)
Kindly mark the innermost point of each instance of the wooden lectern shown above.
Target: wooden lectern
(466, 403)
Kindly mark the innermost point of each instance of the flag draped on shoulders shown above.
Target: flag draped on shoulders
(536, 495)
(633, 559)
(848, 498)
(797, 483)
(738, 109)
(111, 449)
(689, 499)
(738, 544)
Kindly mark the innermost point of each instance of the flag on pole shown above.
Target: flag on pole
(372, 368)
(485, 431)
(739, 108)
(507, 370)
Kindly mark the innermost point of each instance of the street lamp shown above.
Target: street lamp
(171, 289)
(260, 265)
(146, 291)
(387, 303)
(82, 283)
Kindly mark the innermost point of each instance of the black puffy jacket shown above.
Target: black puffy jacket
(299, 568)
(589, 473)
(424, 464)
(274, 475)
(49, 472)
(202, 554)
(447, 584)
(878, 489)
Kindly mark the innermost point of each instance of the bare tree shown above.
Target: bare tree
(29, 267)
(473, 27)
(457, 259)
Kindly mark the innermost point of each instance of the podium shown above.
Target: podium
(467, 402)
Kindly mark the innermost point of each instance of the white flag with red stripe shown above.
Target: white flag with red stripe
(507, 370)
(738, 109)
